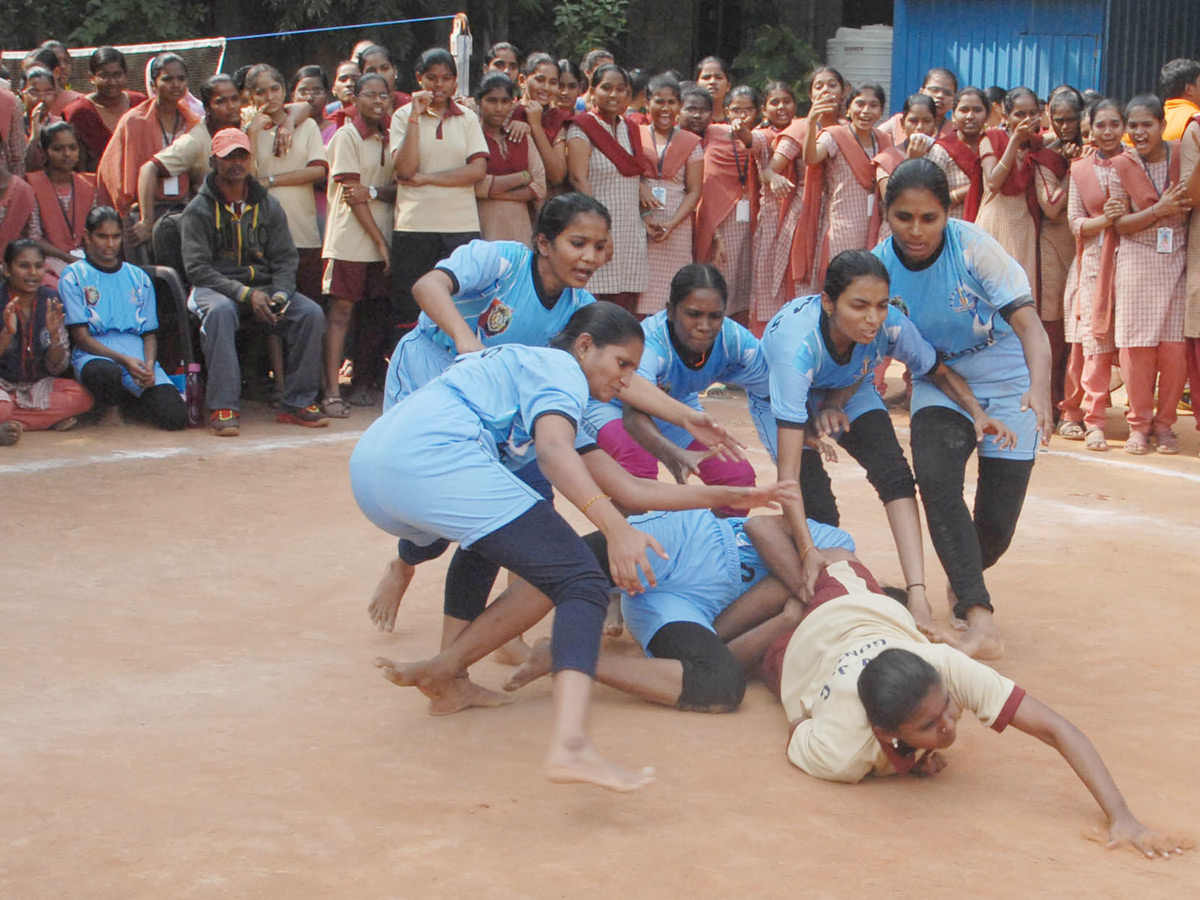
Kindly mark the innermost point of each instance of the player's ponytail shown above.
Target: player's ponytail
(892, 686)
(606, 322)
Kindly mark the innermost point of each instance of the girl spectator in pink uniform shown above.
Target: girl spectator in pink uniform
(676, 162)
(1150, 277)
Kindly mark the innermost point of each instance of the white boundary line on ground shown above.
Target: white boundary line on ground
(236, 447)
(226, 447)
(1129, 466)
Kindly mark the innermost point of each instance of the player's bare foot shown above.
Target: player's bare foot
(581, 764)
(981, 640)
(535, 667)
(614, 622)
(446, 695)
(955, 622)
(111, 417)
(420, 675)
(389, 592)
(463, 693)
(515, 653)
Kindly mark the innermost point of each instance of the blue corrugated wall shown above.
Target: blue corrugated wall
(1036, 43)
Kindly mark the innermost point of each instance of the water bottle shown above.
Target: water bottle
(194, 396)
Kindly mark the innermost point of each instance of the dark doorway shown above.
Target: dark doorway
(856, 13)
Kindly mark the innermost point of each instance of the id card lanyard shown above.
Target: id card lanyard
(742, 210)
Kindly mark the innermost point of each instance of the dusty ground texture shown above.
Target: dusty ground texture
(188, 707)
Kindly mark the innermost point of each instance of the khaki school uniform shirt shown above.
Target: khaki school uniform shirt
(190, 153)
(359, 152)
(819, 682)
(298, 201)
(447, 142)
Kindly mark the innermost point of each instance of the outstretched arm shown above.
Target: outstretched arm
(1039, 720)
(643, 395)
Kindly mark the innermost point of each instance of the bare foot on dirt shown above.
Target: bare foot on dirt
(463, 693)
(614, 622)
(515, 653)
(389, 592)
(981, 640)
(955, 622)
(583, 765)
(446, 696)
(534, 668)
(111, 418)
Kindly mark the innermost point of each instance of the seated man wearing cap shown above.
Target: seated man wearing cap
(241, 260)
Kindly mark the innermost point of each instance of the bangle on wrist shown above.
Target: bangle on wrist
(806, 551)
(585, 506)
(413, 120)
(915, 584)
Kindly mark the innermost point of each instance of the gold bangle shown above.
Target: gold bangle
(806, 549)
(593, 500)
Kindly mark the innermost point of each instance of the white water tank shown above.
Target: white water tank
(864, 55)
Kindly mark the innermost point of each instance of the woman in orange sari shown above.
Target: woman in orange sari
(143, 131)
(64, 198)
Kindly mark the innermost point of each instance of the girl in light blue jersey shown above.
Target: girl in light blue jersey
(973, 303)
(438, 467)
(493, 293)
(821, 352)
(690, 345)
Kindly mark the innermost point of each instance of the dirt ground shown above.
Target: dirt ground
(188, 706)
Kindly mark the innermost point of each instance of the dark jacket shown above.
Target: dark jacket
(232, 254)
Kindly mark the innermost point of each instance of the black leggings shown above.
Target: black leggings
(942, 442)
(160, 405)
(713, 679)
(871, 441)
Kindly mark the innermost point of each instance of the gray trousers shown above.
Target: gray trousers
(302, 329)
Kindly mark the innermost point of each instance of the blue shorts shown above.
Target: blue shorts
(428, 470)
(999, 378)
(712, 563)
(415, 362)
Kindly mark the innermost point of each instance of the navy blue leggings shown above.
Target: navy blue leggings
(542, 548)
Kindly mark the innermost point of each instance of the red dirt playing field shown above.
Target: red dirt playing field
(189, 708)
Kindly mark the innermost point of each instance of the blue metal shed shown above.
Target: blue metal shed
(1114, 46)
(1036, 43)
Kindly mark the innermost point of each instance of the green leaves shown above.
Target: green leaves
(776, 54)
(584, 24)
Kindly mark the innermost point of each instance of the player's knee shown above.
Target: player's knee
(893, 479)
(415, 554)
(712, 685)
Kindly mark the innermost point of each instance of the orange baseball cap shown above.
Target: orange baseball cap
(227, 140)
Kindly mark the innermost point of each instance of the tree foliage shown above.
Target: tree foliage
(776, 54)
(583, 24)
(118, 21)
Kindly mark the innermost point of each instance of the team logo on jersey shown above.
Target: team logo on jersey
(496, 318)
(899, 303)
(91, 295)
(963, 300)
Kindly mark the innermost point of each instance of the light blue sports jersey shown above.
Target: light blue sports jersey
(735, 359)
(956, 304)
(496, 294)
(117, 307)
(712, 563)
(508, 388)
(802, 366)
(107, 302)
